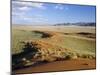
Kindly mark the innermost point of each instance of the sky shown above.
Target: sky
(50, 13)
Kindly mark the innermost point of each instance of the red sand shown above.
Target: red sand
(65, 65)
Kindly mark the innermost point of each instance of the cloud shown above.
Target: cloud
(29, 4)
(39, 5)
(23, 18)
(33, 19)
(21, 12)
(18, 13)
(37, 18)
(60, 7)
(24, 8)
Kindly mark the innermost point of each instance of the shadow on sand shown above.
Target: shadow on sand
(28, 53)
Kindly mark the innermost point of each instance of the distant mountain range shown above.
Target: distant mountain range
(76, 24)
(59, 24)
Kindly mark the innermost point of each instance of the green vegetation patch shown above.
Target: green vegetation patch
(19, 36)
